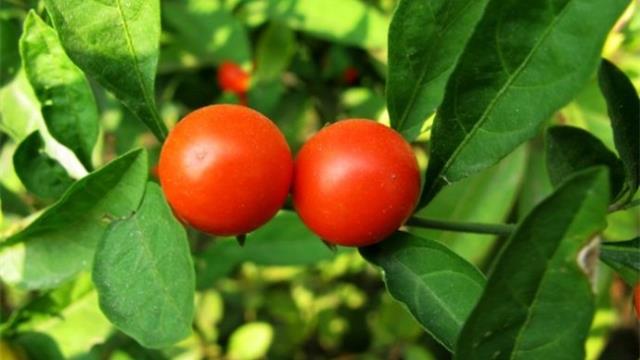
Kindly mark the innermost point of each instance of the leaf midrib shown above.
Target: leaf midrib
(500, 93)
(154, 268)
(423, 73)
(134, 54)
(536, 298)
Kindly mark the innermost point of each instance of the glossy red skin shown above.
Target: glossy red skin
(355, 182)
(225, 169)
(231, 77)
(636, 300)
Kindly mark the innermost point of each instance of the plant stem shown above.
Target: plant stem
(466, 227)
(623, 206)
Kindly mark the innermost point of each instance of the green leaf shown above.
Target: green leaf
(144, 274)
(9, 53)
(362, 102)
(283, 241)
(519, 67)
(437, 286)
(276, 48)
(208, 30)
(487, 197)
(570, 149)
(119, 48)
(68, 106)
(61, 312)
(426, 39)
(623, 106)
(258, 334)
(19, 108)
(536, 185)
(39, 346)
(40, 174)
(623, 257)
(62, 240)
(348, 22)
(542, 307)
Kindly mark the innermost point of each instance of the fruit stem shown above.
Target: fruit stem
(466, 227)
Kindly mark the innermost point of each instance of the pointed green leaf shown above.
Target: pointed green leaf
(275, 50)
(538, 301)
(523, 62)
(40, 174)
(62, 240)
(624, 110)
(624, 257)
(68, 106)
(144, 274)
(117, 43)
(426, 39)
(437, 286)
(570, 149)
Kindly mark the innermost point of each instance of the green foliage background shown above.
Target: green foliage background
(284, 294)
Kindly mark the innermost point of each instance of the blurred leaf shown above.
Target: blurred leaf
(440, 292)
(61, 241)
(426, 39)
(275, 50)
(119, 48)
(624, 110)
(362, 102)
(499, 93)
(144, 276)
(68, 106)
(264, 96)
(623, 257)
(487, 197)
(69, 315)
(295, 118)
(258, 334)
(39, 346)
(208, 30)
(283, 241)
(414, 352)
(210, 310)
(570, 149)
(542, 307)
(623, 224)
(12, 203)
(536, 185)
(19, 108)
(40, 174)
(349, 22)
(9, 53)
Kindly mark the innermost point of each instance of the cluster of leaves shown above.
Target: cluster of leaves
(473, 82)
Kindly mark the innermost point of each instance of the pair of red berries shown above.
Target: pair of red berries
(227, 170)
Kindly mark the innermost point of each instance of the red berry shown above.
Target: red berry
(232, 78)
(355, 182)
(225, 169)
(350, 75)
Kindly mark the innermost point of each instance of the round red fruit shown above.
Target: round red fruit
(225, 169)
(355, 182)
(231, 77)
